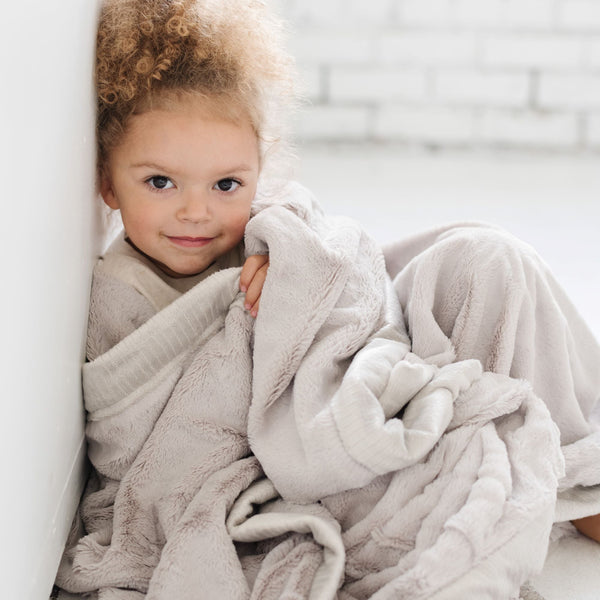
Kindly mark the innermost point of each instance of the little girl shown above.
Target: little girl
(190, 102)
(186, 98)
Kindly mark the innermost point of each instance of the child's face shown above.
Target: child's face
(184, 181)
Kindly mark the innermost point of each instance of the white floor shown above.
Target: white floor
(572, 571)
(552, 202)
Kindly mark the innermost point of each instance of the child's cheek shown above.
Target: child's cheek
(240, 224)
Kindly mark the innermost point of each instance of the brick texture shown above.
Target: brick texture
(511, 73)
(593, 131)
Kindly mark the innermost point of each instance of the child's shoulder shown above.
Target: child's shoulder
(116, 310)
(119, 301)
(124, 263)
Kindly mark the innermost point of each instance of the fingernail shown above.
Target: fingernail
(247, 306)
(243, 288)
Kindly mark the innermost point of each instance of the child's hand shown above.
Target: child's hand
(252, 280)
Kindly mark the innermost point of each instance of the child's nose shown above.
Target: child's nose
(195, 207)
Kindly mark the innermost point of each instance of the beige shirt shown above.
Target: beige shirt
(127, 264)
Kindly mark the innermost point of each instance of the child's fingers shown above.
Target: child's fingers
(254, 287)
(254, 309)
(251, 266)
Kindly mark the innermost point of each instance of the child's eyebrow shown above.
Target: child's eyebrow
(150, 165)
(242, 168)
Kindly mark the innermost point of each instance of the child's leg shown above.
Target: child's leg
(478, 292)
(589, 526)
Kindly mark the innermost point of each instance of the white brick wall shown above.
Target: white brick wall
(570, 91)
(481, 87)
(420, 13)
(592, 54)
(423, 48)
(511, 73)
(528, 51)
(593, 131)
(530, 129)
(579, 14)
(425, 125)
(477, 13)
(535, 15)
(326, 48)
(376, 84)
(335, 123)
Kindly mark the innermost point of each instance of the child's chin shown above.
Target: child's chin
(179, 271)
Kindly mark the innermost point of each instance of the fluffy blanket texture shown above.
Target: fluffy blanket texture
(315, 453)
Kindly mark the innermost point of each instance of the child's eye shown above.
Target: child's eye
(227, 185)
(160, 182)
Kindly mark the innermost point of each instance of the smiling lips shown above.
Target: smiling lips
(190, 242)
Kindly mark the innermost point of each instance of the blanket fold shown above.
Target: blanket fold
(319, 452)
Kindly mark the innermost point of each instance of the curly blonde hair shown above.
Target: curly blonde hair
(150, 52)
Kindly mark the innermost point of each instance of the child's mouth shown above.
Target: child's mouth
(190, 242)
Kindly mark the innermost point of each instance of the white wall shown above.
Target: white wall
(459, 73)
(49, 237)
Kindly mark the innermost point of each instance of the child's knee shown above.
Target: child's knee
(487, 266)
(477, 286)
(488, 251)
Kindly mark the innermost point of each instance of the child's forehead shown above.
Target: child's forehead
(174, 125)
(186, 124)
(190, 121)
(181, 104)
(184, 136)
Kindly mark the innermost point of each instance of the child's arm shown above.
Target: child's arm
(252, 280)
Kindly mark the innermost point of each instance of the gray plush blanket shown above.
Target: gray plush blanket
(315, 453)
